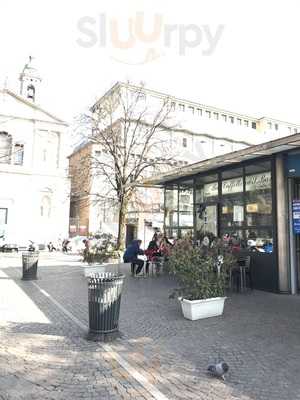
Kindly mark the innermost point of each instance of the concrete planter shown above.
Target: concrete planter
(198, 309)
(90, 270)
(116, 268)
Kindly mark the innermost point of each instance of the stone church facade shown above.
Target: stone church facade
(34, 182)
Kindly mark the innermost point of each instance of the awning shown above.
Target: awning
(253, 152)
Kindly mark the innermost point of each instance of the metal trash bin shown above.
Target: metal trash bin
(104, 297)
(30, 262)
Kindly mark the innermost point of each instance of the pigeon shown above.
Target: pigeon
(218, 370)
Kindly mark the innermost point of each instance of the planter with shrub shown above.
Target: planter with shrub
(201, 272)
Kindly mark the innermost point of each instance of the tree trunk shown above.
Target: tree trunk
(122, 225)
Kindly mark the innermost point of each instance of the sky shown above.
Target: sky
(238, 55)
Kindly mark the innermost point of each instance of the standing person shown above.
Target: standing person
(65, 245)
(86, 249)
(131, 255)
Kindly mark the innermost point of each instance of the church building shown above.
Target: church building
(34, 182)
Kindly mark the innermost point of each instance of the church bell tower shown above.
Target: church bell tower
(30, 81)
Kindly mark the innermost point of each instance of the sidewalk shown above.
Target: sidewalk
(44, 354)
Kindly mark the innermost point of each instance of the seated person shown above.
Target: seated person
(165, 247)
(164, 251)
(152, 251)
(131, 255)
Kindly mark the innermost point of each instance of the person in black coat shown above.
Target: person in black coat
(131, 255)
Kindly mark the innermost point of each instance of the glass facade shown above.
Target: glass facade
(179, 214)
(235, 204)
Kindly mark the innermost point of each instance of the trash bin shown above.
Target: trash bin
(104, 296)
(30, 262)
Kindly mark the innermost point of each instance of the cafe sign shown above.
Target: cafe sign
(230, 186)
(258, 181)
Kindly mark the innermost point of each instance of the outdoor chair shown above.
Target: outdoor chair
(240, 274)
(144, 271)
(156, 265)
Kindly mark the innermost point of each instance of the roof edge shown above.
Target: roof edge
(35, 106)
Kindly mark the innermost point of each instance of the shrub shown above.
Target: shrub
(101, 250)
(198, 269)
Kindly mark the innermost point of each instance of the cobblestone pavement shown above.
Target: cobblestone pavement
(44, 353)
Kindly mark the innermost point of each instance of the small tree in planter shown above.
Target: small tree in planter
(201, 272)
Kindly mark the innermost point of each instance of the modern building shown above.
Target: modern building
(195, 132)
(34, 182)
(251, 196)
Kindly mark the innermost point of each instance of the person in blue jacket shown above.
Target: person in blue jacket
(131, 255)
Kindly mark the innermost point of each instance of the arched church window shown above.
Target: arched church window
(5, 148)
(31, 92)
(46, 207)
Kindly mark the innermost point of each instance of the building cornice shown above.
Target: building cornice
(194, 104)
(12, 117)
(35, 107)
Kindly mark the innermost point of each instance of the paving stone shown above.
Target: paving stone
(258, 336)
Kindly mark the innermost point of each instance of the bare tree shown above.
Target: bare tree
(133, 137)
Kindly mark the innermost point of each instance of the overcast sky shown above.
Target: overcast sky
(238, 55)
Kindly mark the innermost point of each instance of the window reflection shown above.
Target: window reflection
(259, 199)
(260, 240)
(235, 205)
(186, 207)
(232, 203)
(179, 214)
(206, 188)
(246, 208)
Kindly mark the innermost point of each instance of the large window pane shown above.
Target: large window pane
(206, 189)
(232, 205)
(171, 199)
(259, 199)
(186, 199)
(206, 220)
(171, 207)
